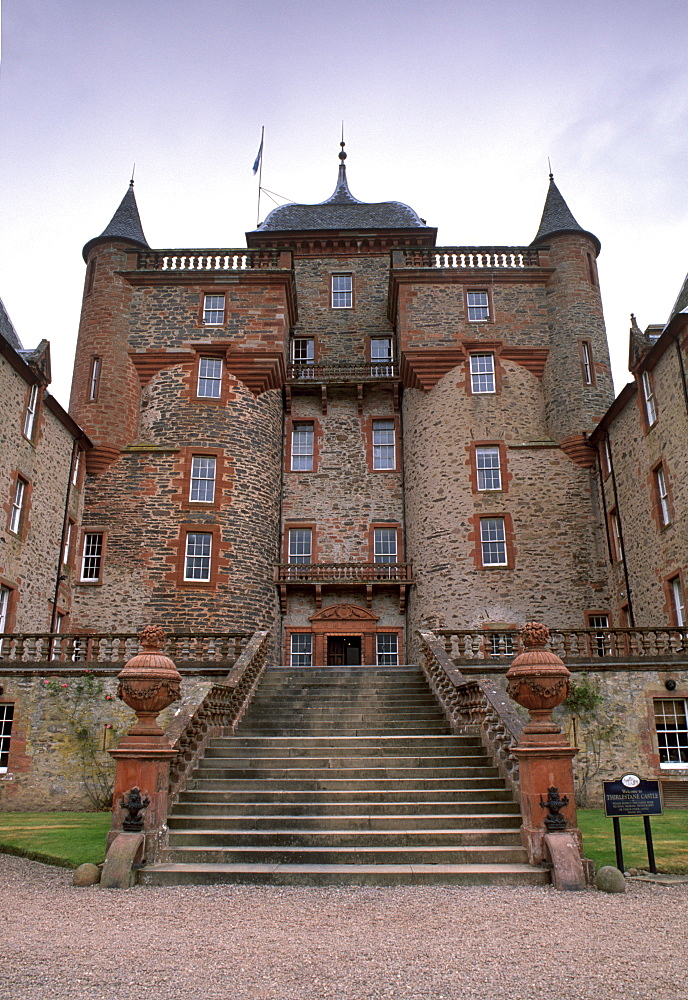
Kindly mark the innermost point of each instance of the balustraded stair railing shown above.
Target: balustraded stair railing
(472, 703)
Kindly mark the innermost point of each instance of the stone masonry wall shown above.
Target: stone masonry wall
(142, 502)
(29, 559)
(557, 559)
(655, 552)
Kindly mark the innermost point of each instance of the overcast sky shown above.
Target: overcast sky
(452, 106)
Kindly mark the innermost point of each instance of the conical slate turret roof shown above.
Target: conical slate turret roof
(125, 224)
(557, 217)
(681, 303)
(342, 211)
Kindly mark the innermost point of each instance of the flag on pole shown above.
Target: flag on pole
(259, 157)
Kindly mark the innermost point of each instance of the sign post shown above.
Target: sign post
(633, 796)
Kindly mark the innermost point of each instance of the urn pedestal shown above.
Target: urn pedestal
(148, 683)
(539, 681)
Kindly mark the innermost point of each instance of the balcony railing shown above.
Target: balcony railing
(358, 372)
(343, 573)
(500, 646)
(117, 647)
(468, 257)
(213, 260)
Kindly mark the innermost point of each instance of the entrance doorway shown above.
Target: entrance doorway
(343, 650)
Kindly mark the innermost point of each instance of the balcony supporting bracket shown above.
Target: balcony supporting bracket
(359, 388)
(283, 599)
(323, 390)
(287, 399)
(369, 595)
(318, 596)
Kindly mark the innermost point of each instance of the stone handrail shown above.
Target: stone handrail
(342, 572)
(213, 260)
(468, 703)
(356, 372)
(213, 710)
(117, 647)
(467, 257)
(501, 645)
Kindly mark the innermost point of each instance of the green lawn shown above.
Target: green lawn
(71, 838)
(669, 835)
(60, 838)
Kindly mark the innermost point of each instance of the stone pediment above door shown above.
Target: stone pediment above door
(344, 613)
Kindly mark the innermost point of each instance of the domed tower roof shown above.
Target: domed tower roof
(557, 218)
(125, 224)
(342, 211)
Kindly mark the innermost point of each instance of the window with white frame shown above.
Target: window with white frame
(203, 468)
(586, 361)
(482, 373)
(488, 467)
(493, 541)
(384, 456)
(6, 719)
(77, 466)
(92, 557)
(197, 558)
(301, 653)
(600, 640)
(30, 416)
(387, 649)
(616, 535)
(213, 310)
(385, 545)
(210, 378)
(662, 495)
(303, 350)
(671, 725)
(478, 307)
(649, 397)
(381, 356)
(607, 456)
(302, 436)
(4, 607)
(342, 291)
(17, 505)
(94, 382)
(67, 543)
(300, 545)
(678, 601)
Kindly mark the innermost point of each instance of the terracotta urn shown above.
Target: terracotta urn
(149, 682)
(538, 679)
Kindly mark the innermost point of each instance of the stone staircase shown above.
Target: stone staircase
(345, 776)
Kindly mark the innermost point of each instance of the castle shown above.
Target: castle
(344, 432)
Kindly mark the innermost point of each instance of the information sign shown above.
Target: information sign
(632, 796)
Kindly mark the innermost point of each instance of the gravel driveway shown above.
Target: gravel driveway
(426, 943)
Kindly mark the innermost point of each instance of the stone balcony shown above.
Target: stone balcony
(344, 574)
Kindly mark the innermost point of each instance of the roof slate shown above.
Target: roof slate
(7, 329)
(558, 218)
(342, 211)
(125, 224)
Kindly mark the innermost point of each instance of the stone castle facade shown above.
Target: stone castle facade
(344, 432)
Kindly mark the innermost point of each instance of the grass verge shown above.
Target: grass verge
(68, 839)
(669, 836)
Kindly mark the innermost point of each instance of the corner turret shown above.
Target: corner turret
(125, 225)
(557, 218)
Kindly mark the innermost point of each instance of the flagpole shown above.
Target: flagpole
(260, 174)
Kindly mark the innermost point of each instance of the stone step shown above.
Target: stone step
(204, 819)
(169, 874)
(483, 854)
(358, 713)
(212, 769)
(340, 784)
(216, 757)
(319, 797)
(364, 840)
(206, 805)
(323, 730)
(348, 745)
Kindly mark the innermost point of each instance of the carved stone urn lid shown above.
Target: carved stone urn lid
(151, 662)
(535, 659)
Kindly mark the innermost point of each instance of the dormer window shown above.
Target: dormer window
(30, 416)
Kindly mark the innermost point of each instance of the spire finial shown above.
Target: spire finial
(549, 165)
(131, 182)
(342, 155)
